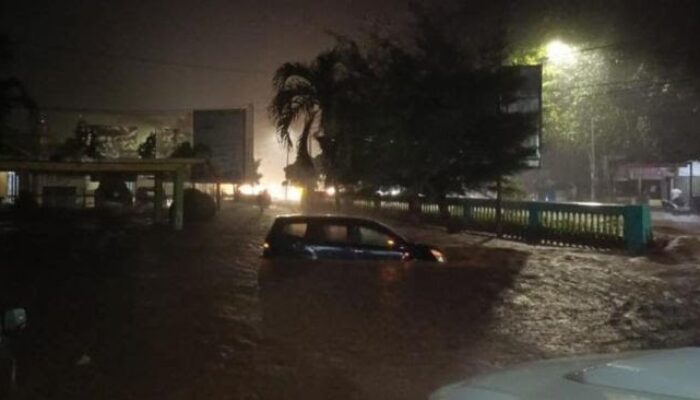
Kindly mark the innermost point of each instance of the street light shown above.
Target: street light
(560, 53)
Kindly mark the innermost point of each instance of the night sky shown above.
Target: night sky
(139, 55)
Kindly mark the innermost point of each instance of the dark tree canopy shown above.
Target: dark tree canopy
(84, 143)
(424, 114)
(147, 149)
(13, 97)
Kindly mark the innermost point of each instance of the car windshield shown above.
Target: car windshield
(347, 199)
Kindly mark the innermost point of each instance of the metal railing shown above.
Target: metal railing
(577, 224)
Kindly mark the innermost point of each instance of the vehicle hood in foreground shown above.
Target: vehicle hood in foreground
(649, 375)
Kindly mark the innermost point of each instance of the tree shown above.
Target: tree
(13, 95)
(147, 149)
(425, 113)
(84, 143)
(633, 85)
(308, 92)
(255, 175)
(186, 150)
(428, 115)
(663, 38)
(202, 151)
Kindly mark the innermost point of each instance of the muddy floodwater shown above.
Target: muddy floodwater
(126, 311)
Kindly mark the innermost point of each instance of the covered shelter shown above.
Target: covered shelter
(644, 182)
(174, 169)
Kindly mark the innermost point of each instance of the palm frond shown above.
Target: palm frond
(291, 71)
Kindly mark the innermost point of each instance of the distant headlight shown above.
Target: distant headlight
(438, 255)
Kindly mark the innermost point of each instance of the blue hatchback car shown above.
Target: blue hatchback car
(330, 237)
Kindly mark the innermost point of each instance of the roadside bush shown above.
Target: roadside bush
(198, 206)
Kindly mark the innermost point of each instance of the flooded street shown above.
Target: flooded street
(137, 313)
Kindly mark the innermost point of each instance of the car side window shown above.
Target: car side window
(335, 233)
(374, 238)
(295, 229)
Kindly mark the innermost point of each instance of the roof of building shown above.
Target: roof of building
(110, 165)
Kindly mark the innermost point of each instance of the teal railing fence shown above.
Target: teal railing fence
(576, 224)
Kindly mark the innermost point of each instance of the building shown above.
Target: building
(118, 135)
(653, 182)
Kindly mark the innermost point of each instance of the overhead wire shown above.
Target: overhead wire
(143, 60)
(641, 83)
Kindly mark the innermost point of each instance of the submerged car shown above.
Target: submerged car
(647, 375)
(329, 237)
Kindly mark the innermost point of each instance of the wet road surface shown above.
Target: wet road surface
(132, 312)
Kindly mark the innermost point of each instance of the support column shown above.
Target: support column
(533, 223)
(37, 189)
(158, 198)
(499, 207)
(637, 228)
(178, 199)
(218, 195)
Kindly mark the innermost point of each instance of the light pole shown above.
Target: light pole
(594, 177)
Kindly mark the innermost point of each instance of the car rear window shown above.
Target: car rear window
(295, 229)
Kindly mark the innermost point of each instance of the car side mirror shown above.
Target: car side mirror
(14, 320)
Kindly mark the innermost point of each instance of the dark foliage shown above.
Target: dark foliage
(426, 116)
(113, 192)
(198, 206)
(84, 143)
(186, 150)
(147, 149)
(13, 94)
(25, 202)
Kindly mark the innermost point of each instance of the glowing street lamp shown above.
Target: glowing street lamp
(560, 53)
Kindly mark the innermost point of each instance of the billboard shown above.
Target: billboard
(228, 134)
(528, 99)
(119, 133)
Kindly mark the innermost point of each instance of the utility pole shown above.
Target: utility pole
(592, 160)
(691, 203)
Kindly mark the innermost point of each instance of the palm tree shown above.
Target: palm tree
(308, 92)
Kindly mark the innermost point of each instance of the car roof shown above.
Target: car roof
(323, 217)
(332, 218)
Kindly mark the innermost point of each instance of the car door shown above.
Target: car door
(373, 242)
(288, 239)
(329, 240)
